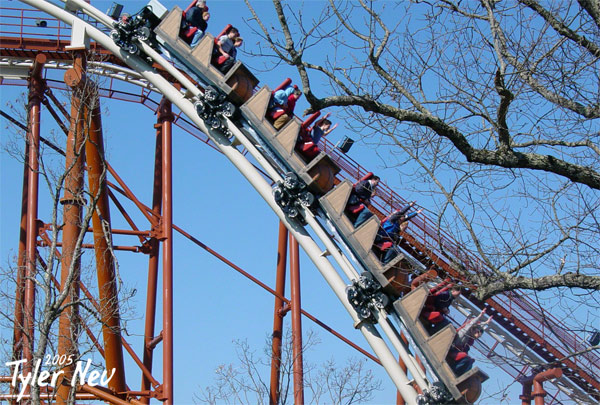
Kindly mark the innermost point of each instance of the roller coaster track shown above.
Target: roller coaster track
(519, 329)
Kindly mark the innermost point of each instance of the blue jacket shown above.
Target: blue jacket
(390, 228)
(280, 98)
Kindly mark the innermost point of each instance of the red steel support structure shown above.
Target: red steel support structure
(72, 202)
(296, 322)
(154, 249)
(166, 118)
(21, 268)
(22, 340)
(21, 260)
(36, 92)
(278, 315)
(280, 310)
(539, 379)
(536, 381)
(105, 267)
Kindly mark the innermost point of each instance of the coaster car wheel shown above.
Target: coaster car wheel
(210, 94)
(291, 181)
(213, 122)
(293, 212)
(364, 313)
(143, 33)
(381, 300)
(228, 109)
(133, 49)
(200, 107)
(279, 196)
(351, 293)
(307, 199)
(115, 36)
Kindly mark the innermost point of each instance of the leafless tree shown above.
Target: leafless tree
(489, 109)
(52, 301)
(328, 382)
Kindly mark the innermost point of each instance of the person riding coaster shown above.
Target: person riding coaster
(360, 197)
(138, 27)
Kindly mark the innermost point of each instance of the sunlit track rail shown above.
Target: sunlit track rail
(430, 246)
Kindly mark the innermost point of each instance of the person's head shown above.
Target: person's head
(232, 32)
(477, 331)
(238, 41)
(125, 17)
(325, 125)
(297, 93)
(201, 3)
(375, 180)
(455, 291)
(205, 16)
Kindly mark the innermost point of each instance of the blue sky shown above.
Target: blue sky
(213, 304)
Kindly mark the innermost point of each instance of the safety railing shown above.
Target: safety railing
(16, 23)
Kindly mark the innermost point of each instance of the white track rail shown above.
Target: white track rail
(253, 176)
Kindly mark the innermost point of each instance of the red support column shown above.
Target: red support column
(525, 396)
(278, 314)
(36, 93)
(21, 265)
(535, 381)
(72, 201)
(107, 288)
(153, 261)
(296, 322)
(538, 390)
(167, 235)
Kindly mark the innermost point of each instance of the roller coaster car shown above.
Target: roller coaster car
(237, 84)
(392, 276)
(319, 173)
(466, 388)
(139, 27)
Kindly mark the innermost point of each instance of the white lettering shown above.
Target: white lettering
(41, 377)
(15, 363)
(105, 382)
(24, 382)
(41, 381)
(55, 377)
(93, 377)
(80, 372)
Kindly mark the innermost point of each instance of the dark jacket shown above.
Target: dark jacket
(443, 300)
(363, 190)
(194, 18)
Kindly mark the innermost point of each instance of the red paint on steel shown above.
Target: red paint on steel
(106, 395)
(278, 315)
(36, 91)
(296, 322)
(153, 260)
(108, 295)
(72, 202)
(166, 117)
(538, 390)
(21, 268)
